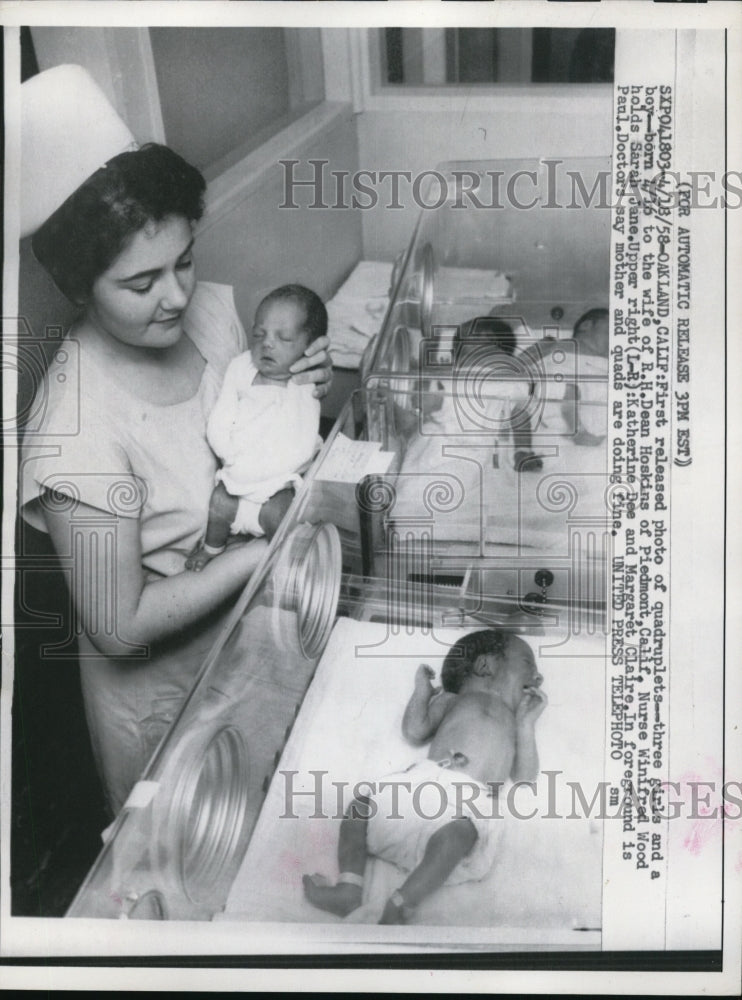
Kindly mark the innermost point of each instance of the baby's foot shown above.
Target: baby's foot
(197, 558)
(395, 912)
(587, 439)
(341, 899)
(200, 555)
(527, 461)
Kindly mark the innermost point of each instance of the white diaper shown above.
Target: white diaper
(246, 519)
(248, 511)
(401, 835)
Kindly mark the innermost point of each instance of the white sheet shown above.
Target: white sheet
(356, 311)
(592, 374)
(547, 874)
(478, 500)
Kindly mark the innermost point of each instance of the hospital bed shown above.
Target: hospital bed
(397, 544)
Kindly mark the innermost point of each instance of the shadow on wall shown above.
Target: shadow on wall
(57, 804)
(57, 809)
(45, 315)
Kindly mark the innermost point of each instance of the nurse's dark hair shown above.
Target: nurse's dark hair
(315, 323)
(459, 662)
(92, 227)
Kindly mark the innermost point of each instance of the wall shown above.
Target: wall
(44, 314)
(416, 133)
(232, 81)
(119, 60)
(249, 241)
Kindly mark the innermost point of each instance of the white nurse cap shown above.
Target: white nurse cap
(69, 129)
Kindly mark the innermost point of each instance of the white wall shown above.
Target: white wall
(231, 81)
(249, 241)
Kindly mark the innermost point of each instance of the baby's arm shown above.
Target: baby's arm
(571, 413)
(525, 459)
(426, 707)
(224, 409)
(525, 762)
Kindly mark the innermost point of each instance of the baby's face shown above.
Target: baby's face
(519, 666)
(593, 336)
(278, 338)
(522, 658)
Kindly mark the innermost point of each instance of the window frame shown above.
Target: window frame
(377, 96)
(121, 60)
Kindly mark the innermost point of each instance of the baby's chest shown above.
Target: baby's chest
(253, 407)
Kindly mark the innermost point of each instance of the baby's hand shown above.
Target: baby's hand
(423, 677)
(531, 705)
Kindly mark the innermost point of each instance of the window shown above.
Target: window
(456, 56)
(241, 85)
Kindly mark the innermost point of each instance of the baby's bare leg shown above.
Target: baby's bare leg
(222, 511)
(274, 510)
(524, 459)
(571, 414)
(346, 896)
(445, 849)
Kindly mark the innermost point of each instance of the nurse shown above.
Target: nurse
(115, 465)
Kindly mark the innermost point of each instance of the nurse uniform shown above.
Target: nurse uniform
(92, 440)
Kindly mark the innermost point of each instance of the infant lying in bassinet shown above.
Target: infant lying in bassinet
(481, 728)
(350, 728)
(488, 395)
(471, 438)
(494, 391)
(581, 413)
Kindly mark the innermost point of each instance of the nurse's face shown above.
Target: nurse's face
(141, 298)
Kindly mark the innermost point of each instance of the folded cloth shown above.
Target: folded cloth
(562, 413)
(459, 284)
(356, 311)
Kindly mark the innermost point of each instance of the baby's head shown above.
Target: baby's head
(478, 335)
(491, 653)
(287, 320)
(591, 332)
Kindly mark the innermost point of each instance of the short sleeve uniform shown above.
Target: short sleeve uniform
(92, 440)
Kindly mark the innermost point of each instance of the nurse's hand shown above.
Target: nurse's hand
(315, 366)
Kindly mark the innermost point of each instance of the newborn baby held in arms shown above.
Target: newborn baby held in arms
(481, 728)
(264, 426)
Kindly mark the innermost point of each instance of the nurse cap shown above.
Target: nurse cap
(69, 129)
